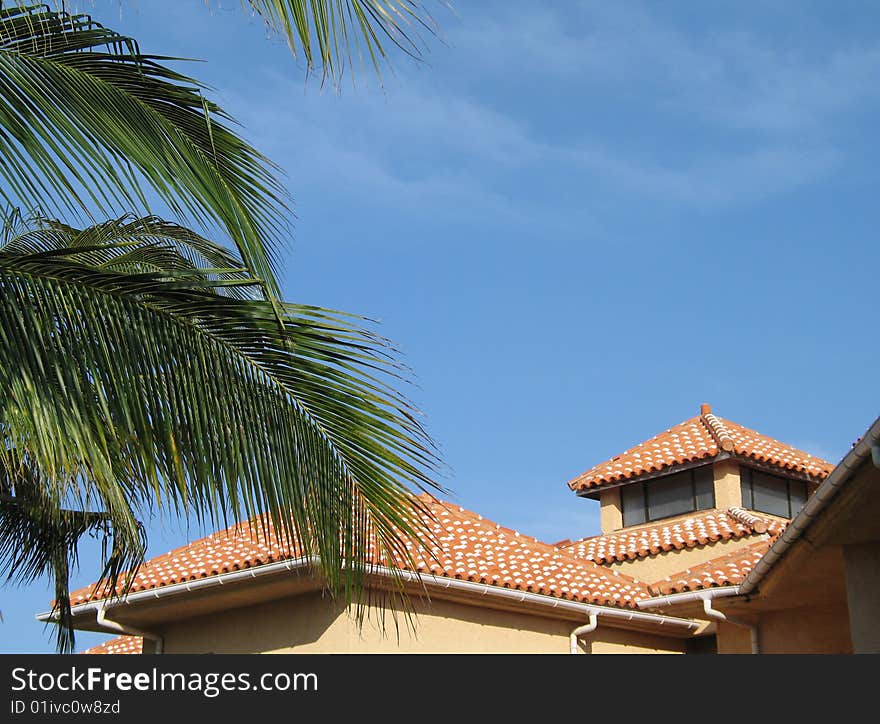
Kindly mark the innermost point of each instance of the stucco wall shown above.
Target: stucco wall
(611, 517)
(863, 593)
(807, 630)
(728, 493)
(311, 624)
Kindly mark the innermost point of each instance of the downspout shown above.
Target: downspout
(718, 616)
(117, 627)
(581, 630)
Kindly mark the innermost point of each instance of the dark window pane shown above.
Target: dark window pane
(670, 496)
(798, 492)
(633, 500)
(704, 487)
(745, 477)
(771, 494)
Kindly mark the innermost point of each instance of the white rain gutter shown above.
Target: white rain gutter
(688, 596)
(718, 616)
(100, 607)
(868, 445)
(706, 596)
(618, 614)
(582, 630)
(562, 604)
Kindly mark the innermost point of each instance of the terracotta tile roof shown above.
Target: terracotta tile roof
(469, 548)
(119, 645)
(699, 438)
(675, 534)
(728, 570)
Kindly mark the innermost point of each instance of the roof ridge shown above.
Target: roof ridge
(741, 515)
(716, 427)
(696, 441)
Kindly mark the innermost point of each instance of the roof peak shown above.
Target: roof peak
(700, 438)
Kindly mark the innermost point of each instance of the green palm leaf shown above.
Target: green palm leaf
(87, 121)
(150, 388)
(38, 537)
(333, 33)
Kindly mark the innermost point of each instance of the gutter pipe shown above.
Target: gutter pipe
(100, 607)
(622, 614)
(682, 625)
(116, 627)
(582, 630)
(718, 616)
(688, 596)
(707, 597)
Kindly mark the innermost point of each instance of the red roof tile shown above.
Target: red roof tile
(728, 570)
(675, 534)
(469, 548)
(119, 645)
(699, 438)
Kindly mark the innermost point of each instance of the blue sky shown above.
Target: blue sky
(578, 221)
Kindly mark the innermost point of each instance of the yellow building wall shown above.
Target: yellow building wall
(863, 593)
(728, 493)
(611, 512)
(652, 569)
(310, 623)
(807, 630)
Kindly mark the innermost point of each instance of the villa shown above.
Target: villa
(714, 539)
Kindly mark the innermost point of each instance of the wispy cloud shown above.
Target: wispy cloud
(734, 119)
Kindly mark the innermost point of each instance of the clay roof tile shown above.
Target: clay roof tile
(700, 438)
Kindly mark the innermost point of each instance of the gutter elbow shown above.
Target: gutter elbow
(717, 615)
(582, 630)
(109, 624)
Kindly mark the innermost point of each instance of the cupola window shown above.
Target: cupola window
(670, 495)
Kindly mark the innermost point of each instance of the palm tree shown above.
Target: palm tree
(145, 367)
(142, 367)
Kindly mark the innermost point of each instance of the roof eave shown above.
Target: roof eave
(593, 491)
(617, 615)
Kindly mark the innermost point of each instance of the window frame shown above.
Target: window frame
(645, 497)
(746, 473)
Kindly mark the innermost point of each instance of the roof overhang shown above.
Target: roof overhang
(146, 609)
(595, 491)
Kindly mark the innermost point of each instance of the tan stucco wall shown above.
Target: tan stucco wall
(728, 493)
(863, 594)
(807, 630)
(654, 568)
(311, 624)
(611, 510)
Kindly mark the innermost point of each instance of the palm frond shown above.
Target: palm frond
(201, 404)
(41, 538)
(331, 34)
(131, 245)
(89, 121)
